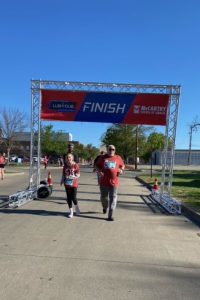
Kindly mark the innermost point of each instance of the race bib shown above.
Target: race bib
(68, 181)
(110, 164)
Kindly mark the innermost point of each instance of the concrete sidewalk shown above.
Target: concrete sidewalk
(143, 254)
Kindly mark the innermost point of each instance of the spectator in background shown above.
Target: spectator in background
(70, 149)
(45, 162)
(2, 165)
(109, 167)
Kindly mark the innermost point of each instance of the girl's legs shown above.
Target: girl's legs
(74, 199)
(69, 200)
(2, 173)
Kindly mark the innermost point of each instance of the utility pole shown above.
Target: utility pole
(1, 135)
(192, 127)
(136, 148)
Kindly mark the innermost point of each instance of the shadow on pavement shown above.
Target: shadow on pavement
(49, 213)
(33, 212)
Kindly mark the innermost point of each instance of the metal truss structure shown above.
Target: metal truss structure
(22, 197)
(171, 205)
(170, 131)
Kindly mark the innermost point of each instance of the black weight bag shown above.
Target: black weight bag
(43, 191)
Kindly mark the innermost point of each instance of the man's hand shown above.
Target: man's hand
(119, 172)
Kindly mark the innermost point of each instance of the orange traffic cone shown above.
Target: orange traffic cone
(49, 179)
(155, 186)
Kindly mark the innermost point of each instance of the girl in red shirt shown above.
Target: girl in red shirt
(70, 175)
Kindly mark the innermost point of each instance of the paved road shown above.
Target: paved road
(143, 254)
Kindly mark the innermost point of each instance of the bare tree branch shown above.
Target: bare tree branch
(11, 122)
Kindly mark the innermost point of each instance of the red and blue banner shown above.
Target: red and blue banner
(104, 107)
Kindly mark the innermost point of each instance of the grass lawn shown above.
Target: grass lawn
(185, 187)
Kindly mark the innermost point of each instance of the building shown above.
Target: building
(22, 140)
(181, 157)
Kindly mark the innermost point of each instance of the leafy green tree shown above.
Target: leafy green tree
(155, 141)
(79, 150)
(52, 143)
(87, 152)
(92, 152)
(122, 136)
(126, 138)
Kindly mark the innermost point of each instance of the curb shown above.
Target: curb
(147, 185)
(190, 214)
(187, 212)
(14, 173)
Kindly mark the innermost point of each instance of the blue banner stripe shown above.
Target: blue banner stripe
(105, 107)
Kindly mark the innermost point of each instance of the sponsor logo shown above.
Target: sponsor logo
(104, 107)
(149, 109)
(136, 109)
(62, 106)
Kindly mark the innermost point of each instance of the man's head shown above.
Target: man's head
(111, 150)
(70, 148)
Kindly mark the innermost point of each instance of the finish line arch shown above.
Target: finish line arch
(136, 104)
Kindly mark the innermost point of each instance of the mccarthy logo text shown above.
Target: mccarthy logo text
(104, 107)
(150, 109)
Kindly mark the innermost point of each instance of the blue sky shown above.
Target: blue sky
(147, 42)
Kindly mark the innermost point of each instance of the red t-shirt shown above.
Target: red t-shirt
(71, 175)
(2, 160)
(110, 166)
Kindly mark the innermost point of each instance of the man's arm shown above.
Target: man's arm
(121, 165)
(98, 166)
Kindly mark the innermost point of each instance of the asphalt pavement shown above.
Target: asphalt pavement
(144, 254)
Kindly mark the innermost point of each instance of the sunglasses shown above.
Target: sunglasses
(111, 149)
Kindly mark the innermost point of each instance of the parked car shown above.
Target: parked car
(13, 158)
(35, 158)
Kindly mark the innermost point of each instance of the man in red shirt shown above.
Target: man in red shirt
(109, 166)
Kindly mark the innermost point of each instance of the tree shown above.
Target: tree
(155, 141)
(87, 152)
(126, 138)
(122, 137)
(52, 143)
(11, 122)
(91, 152)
